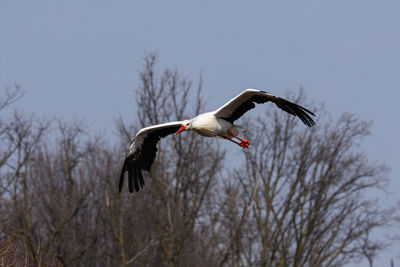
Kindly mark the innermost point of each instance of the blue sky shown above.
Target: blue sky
(80, 58)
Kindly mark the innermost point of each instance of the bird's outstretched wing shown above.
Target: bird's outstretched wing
(142, 152)
(245, 101)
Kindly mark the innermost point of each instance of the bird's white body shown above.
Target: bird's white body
(218, 123)
(207, 124)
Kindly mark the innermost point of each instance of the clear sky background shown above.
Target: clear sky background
(80, 58)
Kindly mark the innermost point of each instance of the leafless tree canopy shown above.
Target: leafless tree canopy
(300, 198)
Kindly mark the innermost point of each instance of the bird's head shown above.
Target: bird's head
(186, 125)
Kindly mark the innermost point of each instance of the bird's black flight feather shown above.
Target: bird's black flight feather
(284, 104)
(142, 158)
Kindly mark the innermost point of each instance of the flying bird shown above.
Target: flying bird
(218, 123)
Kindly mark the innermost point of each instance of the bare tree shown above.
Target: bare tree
(10, 96)
(44, 188)
(301, 197)
(7, 149)
(307, 190)
(182, 174)
(23, 136)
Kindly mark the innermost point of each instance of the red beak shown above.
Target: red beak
(180, 129)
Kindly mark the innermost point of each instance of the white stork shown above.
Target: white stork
(219, 123)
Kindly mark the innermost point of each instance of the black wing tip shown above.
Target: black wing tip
(135, 177)
(296, 110)
(304, 115)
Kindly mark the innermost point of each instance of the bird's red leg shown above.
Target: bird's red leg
(242, 144)
(243, 140)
